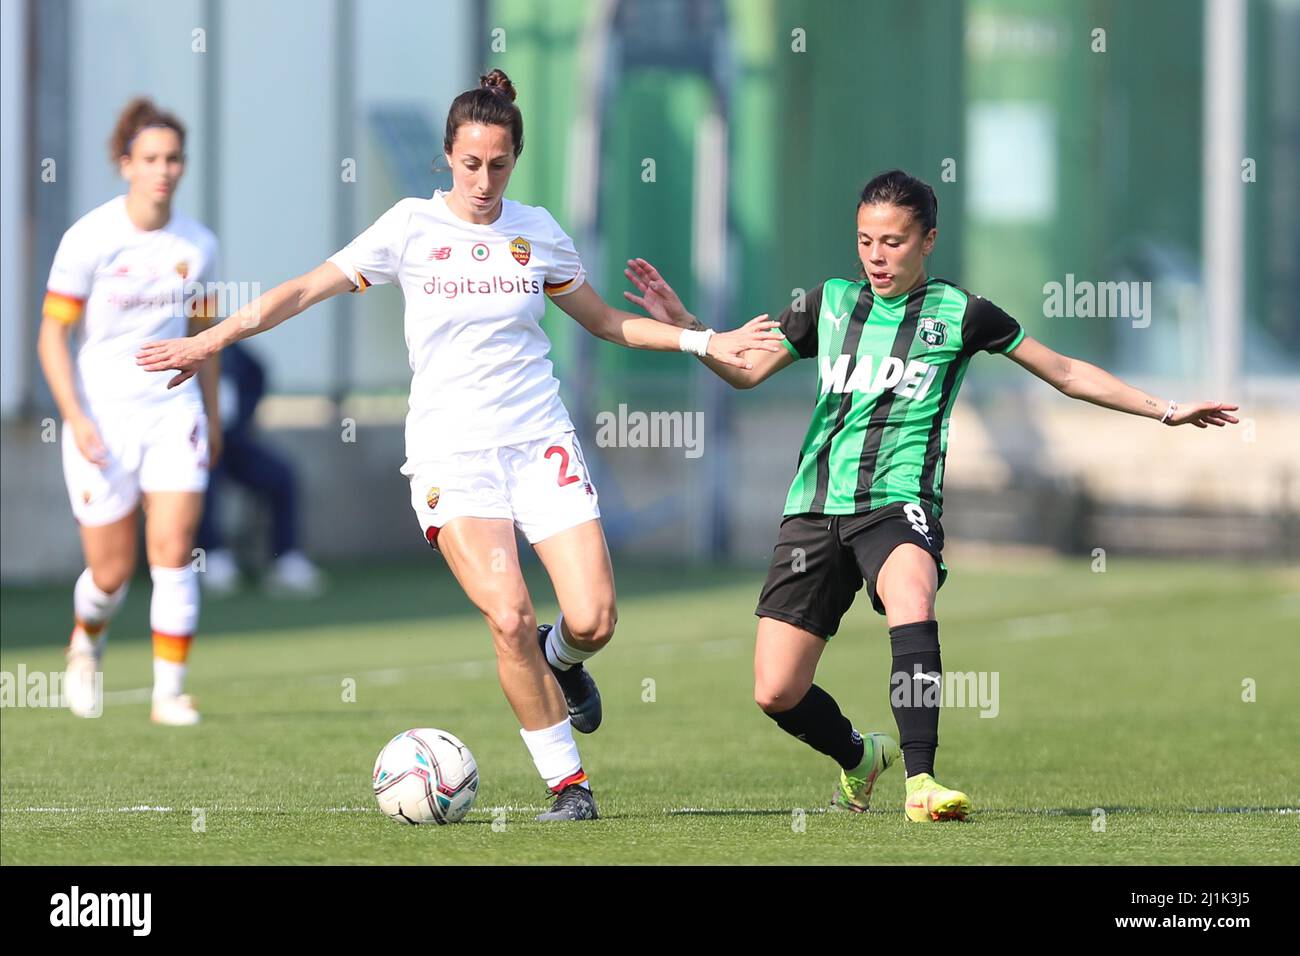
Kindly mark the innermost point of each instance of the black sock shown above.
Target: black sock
(915, 701)
(817, 721)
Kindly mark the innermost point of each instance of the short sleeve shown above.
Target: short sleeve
(71, 276)
(986, 328)
(799, 323)
(564, 271)
(373, 257)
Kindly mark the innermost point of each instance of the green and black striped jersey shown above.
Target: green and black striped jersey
(889, 371)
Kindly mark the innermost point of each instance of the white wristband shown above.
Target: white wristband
(697, 342)
(1169, 412)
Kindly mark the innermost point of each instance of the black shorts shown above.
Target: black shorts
(820, 562)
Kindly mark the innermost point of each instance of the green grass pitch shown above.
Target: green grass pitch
(1119, 692)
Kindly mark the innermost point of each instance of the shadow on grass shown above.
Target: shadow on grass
(41, 616)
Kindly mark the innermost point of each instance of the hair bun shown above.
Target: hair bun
(498, 82)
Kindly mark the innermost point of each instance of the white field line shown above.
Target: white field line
(1055, 624)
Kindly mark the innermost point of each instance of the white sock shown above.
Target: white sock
(168, 678)
(560, 654)
(93, 609)
(173, 611)
(555, 753)
(174, 607)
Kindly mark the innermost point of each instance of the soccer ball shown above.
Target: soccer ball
(425, 776)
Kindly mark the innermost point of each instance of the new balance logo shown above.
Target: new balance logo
(907, 381)
(438, 252)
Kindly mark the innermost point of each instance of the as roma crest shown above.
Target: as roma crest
(183, 269)
(521, 250)
(432, 496)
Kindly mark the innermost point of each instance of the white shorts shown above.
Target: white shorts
(155, 450)
(542, 486)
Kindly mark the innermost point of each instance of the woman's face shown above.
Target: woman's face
(481, 160)
(155, 164)
(892, 248)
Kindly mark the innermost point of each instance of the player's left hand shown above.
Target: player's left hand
(657, 297)
(184, 355)
(1204, 414)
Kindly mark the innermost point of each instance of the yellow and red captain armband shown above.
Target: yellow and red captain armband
(62, 308)
(361, 284)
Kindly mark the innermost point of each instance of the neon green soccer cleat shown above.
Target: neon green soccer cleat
(929, 801)
(853, 792)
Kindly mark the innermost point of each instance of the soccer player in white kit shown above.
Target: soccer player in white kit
(124, 274)
(489, 445)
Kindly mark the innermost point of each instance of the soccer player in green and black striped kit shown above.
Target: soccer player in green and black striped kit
(892, 349)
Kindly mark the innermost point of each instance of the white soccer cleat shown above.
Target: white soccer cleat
(294, 575)
(175, 711)
(82, 688)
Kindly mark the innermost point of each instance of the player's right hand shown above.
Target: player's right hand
(762, 333)
(89, 443)
(184, 355)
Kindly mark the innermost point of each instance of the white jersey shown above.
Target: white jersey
(128, 286)
(475, 296)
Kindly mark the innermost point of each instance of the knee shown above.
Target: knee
(775, 697)
(514, 630)
(170, 549)
(592, 628)
(109, 576)
(909, 601)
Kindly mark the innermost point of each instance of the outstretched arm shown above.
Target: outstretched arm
(661, 302)
(1088, 383)
(726, 349)
(265, 312)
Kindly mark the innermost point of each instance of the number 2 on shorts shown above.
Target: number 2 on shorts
(563, 479)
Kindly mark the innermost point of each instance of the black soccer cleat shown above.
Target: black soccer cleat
(580, 692)
(574, 802)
